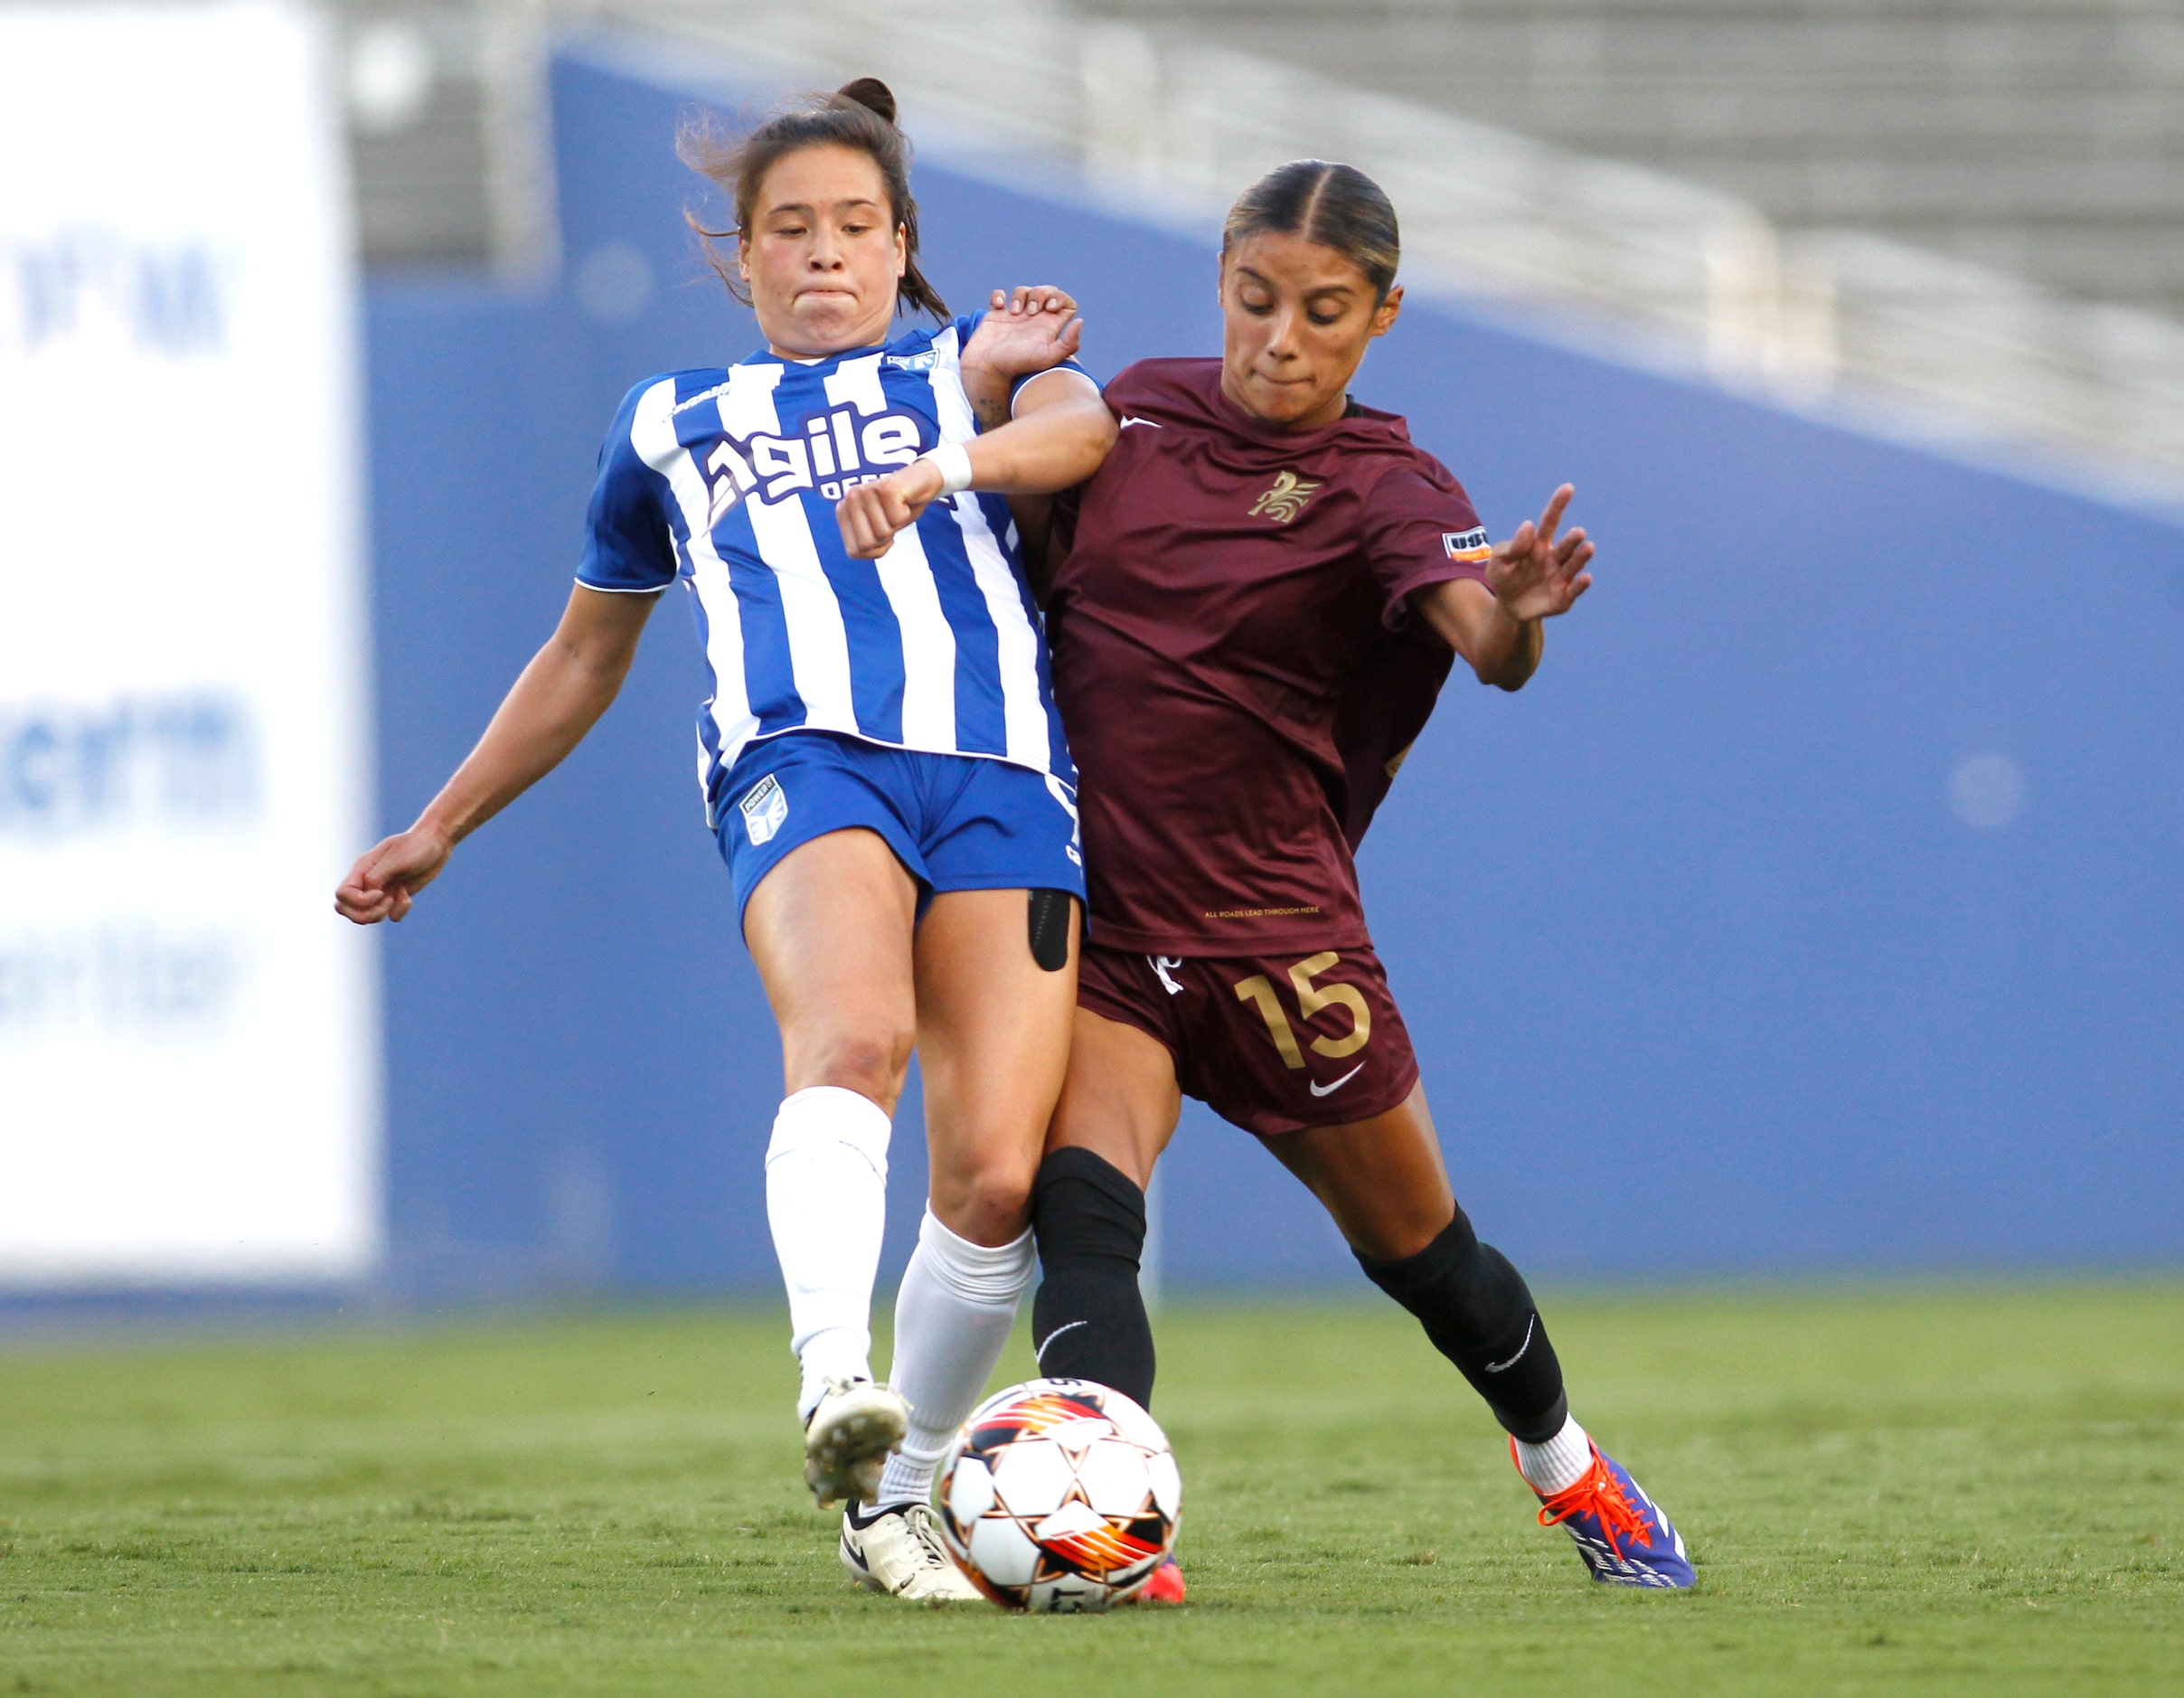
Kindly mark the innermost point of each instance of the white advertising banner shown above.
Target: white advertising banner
(188, 1041)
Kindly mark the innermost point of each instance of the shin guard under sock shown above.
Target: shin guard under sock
(952, 1317)
(1088, 1321)
(826, 1203)
(1479, 1313)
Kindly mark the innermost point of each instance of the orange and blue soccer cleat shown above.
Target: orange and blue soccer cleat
(1164, 1587)
(1621, 1533)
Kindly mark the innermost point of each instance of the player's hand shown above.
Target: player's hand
(871, 514)
(1533, 575)
(386, 880)
(1025, 331)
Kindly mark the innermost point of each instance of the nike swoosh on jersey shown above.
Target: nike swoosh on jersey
(1322, 1091)
(1128, 419)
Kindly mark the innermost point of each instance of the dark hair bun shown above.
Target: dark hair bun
(872, 94)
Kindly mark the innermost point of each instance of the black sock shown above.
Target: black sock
(1479, 1313)
(1088, 1321)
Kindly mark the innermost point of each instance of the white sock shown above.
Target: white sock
(826, 1201)
(1559, 1463)
(952, 1317)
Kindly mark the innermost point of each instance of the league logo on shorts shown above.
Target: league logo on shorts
(764, 809)
(1467, 545)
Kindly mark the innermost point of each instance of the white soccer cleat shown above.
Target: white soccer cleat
(899, 1552)
(848, 1438)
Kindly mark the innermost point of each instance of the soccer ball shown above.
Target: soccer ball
(1059, 1495)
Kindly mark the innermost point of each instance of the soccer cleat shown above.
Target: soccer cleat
(847, 1439)
(1621, 1533)
(898, 1551)
(1166, 1585)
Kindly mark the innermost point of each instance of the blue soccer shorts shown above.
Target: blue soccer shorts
(956, 822)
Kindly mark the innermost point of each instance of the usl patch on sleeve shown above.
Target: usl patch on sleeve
(764, 809)
(1467, 545)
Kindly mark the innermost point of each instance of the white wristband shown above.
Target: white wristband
(952, 460)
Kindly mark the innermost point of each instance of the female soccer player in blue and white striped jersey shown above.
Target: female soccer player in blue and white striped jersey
(883, 766)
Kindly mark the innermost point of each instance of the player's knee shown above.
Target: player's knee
(868, 1058)
(1455, 1283)
(987, 1200)
(1478, 1311)
(1401, 1231)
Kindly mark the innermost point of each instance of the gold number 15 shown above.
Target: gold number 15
(1310, 998)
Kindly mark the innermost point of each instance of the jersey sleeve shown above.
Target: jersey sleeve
(1421, 529)
(966, 327)
(1071, 364)
(627, 545)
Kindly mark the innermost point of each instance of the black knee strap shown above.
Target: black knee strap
(1088, 1319)
(1479, 1313)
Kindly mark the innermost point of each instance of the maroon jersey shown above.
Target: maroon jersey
(1233, 664)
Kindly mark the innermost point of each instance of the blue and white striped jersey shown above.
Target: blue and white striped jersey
(727, 479)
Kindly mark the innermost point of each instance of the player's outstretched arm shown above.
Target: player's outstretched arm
(1024, 332)
(1061, 432)
(1496, 625)
(569, 684)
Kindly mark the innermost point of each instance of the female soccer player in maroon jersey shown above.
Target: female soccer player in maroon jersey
(1253, 605)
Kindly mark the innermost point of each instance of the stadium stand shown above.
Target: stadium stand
(446, 132)
(2037, 136)
(1966, 208)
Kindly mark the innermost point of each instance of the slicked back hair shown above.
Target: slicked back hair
(859, 116)
(1337, 206)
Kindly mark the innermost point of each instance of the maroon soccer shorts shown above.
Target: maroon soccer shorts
(1271, 1043)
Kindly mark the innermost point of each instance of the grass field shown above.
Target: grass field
(1923, 1490)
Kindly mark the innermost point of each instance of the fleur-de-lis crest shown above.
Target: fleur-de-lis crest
(1285, 500)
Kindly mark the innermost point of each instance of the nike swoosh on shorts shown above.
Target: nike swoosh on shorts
(1323, 1090)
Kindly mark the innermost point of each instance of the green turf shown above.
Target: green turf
(1934, 1490)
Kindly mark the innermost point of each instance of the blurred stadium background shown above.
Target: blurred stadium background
(1819, 906)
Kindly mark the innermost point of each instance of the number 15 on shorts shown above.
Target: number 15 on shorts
(1311, 999)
